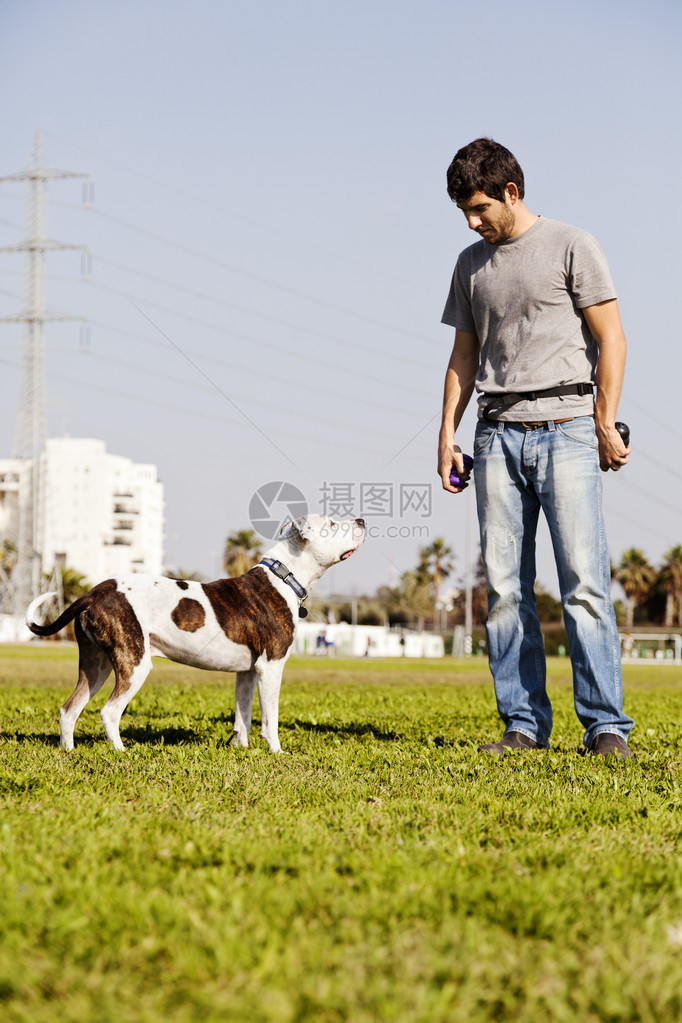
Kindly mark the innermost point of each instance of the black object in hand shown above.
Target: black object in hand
(624, 431)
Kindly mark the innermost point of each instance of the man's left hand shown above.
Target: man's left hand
(612, 452)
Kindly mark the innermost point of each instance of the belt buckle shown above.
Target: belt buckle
(531, 426)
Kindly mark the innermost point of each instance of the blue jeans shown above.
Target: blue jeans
(517, 472)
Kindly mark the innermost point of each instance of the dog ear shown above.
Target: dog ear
(300, 528)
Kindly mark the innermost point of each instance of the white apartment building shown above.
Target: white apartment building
(100, 514)
(10, 474)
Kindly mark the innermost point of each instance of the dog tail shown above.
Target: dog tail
(64, 618)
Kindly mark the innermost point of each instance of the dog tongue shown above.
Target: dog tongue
(347, 554)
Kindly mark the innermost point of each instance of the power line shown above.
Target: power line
(317, 389)
(146, 400)
(290, 353)
(666, 424)
(203, 200)
(197, 294)
(218, 389)
(261, 280)
(669, 471)
(647, 527)
(208, 324)
(258, 314)
(214, 417)
(336, 368)
(257, 372)
(248, 399)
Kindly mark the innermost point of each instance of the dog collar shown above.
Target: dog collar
(283, 573)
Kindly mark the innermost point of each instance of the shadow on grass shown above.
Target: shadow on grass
(163, 736)
(144, 736)
(46, 738)
(357, 729)
(148, 735)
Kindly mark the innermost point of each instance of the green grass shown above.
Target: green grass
(380, 870)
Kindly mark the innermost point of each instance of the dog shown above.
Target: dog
(245, 625)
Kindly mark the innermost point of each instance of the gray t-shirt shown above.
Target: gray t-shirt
(522, 298)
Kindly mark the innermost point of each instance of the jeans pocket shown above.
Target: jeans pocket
(581, 430)
(485, 431)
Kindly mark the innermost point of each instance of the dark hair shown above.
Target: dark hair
(483, 166)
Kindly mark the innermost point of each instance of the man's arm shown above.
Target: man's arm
(459, 385)
(605, 326)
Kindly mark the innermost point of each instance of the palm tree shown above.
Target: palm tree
(68, 585)
(671, 582)
(242, 552)
(74, 584)
(414, 594)
(437, 562)
(637, 577)
(8, 555)
(8, 558)
(183, 573)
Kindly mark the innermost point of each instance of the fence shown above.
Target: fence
(365, 641)
(657, 647)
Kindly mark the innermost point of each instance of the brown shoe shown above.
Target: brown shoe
(510, 740)
(607, 743)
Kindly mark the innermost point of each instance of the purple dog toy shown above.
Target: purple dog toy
(458, 481)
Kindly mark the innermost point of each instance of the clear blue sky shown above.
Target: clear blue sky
(272, 242)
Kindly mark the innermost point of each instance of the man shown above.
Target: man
(536, 328)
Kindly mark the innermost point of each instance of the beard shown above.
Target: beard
(502, 229)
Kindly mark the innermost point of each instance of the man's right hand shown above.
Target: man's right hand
(459, 386)
(450, 457)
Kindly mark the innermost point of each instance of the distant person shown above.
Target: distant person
(537, 327)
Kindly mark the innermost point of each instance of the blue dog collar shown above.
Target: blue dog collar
(283, 573)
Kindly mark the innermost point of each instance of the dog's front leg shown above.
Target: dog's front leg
(245, 687)
(269, 683)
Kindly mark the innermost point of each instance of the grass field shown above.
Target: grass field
(381, 869)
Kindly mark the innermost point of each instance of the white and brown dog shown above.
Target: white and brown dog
(244, 625)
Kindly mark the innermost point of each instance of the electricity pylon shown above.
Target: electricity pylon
(31, 423)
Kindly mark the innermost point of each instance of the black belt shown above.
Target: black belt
(501, 402)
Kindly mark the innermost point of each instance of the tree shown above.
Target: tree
(436, 563)
(74, 584)
(671, 582)
(8, 559)
(637, 577)
(392, 602)
(549, 609)
(479, 595)
(68, 585)
(242, 552)
(8, 556)
(415, 594)
(182, 573)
